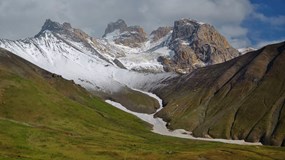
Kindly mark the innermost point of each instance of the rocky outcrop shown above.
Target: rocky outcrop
(133, 37)
(64, 29)
(52, 26)
(160, 33)
(197, 44)
(118, 25)
(120, 33)
(243, 98)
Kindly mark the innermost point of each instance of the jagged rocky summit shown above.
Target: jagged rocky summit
(132, 36)
(193, 43)
(196, 45)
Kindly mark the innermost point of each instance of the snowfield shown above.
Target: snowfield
(74, 61)
(142, 58)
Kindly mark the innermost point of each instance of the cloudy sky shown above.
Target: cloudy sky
(244, 22)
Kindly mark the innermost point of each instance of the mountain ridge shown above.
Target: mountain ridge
(238, 99)
(57, 41)
(194, 44)
(162, 50)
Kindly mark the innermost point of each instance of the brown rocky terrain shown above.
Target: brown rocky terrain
(243, 98)
(159, 33)
(131, 36)
(196, 45)
(118, 25)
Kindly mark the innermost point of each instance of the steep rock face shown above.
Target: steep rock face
(118, 25)
(241, 99)
(184, 29)
(195, 45)
(65, 29)
(120, 33)
(133, 36)
(160, 33)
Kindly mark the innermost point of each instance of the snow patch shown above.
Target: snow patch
(245, 50)
(159, 126)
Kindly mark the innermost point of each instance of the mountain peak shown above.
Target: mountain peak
(189, 21)
(53, 26)
(66, 25)
(160, 32)
(197, 44)
(185, 28)
(120, 33)
(121, 21)
(120, 24)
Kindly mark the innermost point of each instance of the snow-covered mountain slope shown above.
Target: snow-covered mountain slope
(80, 58)
(143, 58)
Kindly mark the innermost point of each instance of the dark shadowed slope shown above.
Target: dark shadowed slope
(240, 99)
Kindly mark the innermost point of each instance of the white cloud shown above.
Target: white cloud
(240, 42)
(264, 43)
(236, 35)
(275, 21)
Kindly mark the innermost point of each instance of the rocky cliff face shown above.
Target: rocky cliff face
(195, 45)
(160, 33)
(243, 98)
(120, 33)
(118, 25)
(133, 37)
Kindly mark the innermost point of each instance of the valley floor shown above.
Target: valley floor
(30, 141)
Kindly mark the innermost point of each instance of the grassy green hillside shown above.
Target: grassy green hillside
(240, 99)
(43, 116)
